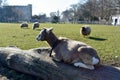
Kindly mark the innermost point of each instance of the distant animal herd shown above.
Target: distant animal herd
(34, 26)
(84, 30)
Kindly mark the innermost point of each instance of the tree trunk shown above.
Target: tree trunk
(37, 62)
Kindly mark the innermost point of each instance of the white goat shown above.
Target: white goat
(70, 51)
(85, 30)
(35, 25)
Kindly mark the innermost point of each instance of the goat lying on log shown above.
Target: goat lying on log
(70, 51)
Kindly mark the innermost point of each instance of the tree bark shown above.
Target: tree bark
(37, 62)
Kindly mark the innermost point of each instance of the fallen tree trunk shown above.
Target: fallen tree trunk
(37, 62)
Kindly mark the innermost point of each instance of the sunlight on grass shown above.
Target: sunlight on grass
(104, 38)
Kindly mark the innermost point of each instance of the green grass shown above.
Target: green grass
(104, 38)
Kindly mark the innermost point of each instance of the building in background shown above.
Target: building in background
(16, 13)
(115, 19)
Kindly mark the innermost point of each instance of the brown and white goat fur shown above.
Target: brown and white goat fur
(70, 51)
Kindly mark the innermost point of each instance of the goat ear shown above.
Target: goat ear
(50, 29)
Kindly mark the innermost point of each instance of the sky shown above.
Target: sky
(45, 6)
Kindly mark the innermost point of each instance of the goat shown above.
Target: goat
(70, 51)
(23, 25)
(35, 25)
(85, 30)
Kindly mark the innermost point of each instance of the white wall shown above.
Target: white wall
(116, 18)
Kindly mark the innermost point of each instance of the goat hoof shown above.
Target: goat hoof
(79, 64)
(91, 68)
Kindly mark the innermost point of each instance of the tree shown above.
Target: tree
(74, 9)
(55, 18)
(99, 8)
(92, 10)
(42, 18)
(89, 10)
(66, 16)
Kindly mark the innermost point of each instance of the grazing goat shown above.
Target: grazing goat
(35, 25)
(70, 51)
(24, 25)
(85, 30)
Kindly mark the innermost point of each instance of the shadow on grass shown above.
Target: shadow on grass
(25, 28)
(38, 29)
(98, 39)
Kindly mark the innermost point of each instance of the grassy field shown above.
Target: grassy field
(105, 39)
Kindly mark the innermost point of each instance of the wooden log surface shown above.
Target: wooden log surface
(37, 62)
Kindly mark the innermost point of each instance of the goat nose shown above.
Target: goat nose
(37, 38)
(95, 61)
